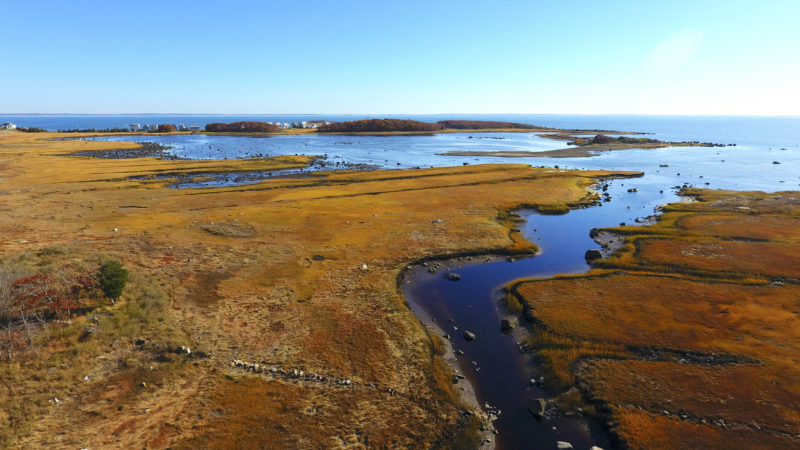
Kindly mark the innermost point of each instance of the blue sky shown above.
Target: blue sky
(365, 57)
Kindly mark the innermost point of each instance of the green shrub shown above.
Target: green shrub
(112, 278)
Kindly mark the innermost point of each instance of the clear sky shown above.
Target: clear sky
(414, 57)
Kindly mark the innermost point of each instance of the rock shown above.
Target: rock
(506, 325)
(594, 447)
(143, 384)
(633, 190)
(532, 381)
(537, 407)
(776, 162)
(459, 352)
(364, 267)
(452, 276)
(437, 221)
(183, 349)
(469, 335)
(562, 445)
(140, 342)
(87, 331)
(592, 255)
(455, 379)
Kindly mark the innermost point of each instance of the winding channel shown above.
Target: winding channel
(493, 364)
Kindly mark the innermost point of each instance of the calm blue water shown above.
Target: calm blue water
(760, 141)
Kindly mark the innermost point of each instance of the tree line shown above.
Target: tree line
(242, 127)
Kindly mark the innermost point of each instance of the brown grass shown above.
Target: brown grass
(277, 278)
(704, 348)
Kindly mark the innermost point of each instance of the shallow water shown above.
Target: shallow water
(501, 376)
(393, 152)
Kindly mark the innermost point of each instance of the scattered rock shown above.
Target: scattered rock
(364, 267)
(452, 276)
(776, 162)
(469, 335)
(437, 221)
(139, 342)
(143, 384)
(87, 331)
(537, 407)
(506, 325)
(562, 445)
(592, 255)
(633, 190)
(183, 349)
(459, 352)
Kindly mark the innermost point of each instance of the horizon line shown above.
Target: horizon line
(392, 114)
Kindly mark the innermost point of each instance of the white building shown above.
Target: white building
(152, 127)
(7, 126)
(181, 127)
(194, 128)
(135, 127)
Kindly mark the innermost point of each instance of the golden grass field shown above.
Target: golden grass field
(688, 336)
(288, 273)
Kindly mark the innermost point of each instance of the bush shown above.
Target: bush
(112, 278)
(166, 128)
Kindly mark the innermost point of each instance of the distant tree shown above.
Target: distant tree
(243, 127)
(112, 278)
(379, 125)
(166, 128)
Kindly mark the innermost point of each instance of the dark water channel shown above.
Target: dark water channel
(500, 373)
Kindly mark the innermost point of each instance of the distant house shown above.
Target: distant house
(7, 126)
(135, 127)
(194, 128)
(152, 127)
(285, 125)
(180, 127)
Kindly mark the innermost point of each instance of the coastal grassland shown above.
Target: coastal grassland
(695, 319)
(292, 274)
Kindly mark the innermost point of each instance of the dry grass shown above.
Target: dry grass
(269, 272)
(705, 347)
